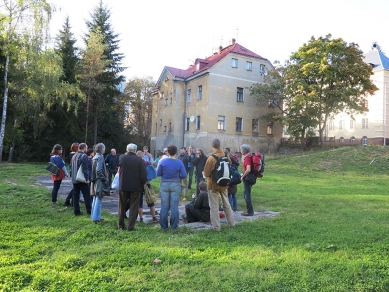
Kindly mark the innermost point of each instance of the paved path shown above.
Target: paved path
(110, 203)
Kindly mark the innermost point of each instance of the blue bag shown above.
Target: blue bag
(151, 172)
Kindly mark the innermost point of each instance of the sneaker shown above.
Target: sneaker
(246, 214)
(54, 203)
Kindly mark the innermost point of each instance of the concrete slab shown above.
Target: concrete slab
(110, 203)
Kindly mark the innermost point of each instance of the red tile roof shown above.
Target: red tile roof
(212, 60)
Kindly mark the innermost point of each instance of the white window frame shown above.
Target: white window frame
(254, 126)
(221, 123)
(331, 125)
(187, 121)
(364, 140)
(269, 129)
(352, 124)
(249, 66)
(234, 63)
(365, 123)
(341, 125)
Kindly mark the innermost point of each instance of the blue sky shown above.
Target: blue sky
(156, 33)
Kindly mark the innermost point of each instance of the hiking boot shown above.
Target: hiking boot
(155, 220)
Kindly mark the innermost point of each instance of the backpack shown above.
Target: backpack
(258, 164)
(235, 176)
(221, 175)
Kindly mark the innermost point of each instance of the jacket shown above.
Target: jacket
(99, 183)
(209, 168)
(112, 162)
(185, 160)
(232, 189)
(79, 159)
(201, 203)
(132, 175)
(199, 162)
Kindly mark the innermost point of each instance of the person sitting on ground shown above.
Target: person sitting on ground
(198, 209)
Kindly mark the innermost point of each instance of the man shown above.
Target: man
(132, 178)
(192, 157)
(80, 159)
(112, 162)
(184, 157)
(199, 163)
(147, 156)
(165, 155)
(198, 209)
(245, 150)
(214, 190)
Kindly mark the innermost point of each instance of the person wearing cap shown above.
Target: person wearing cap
(56, 158)
(132, 177)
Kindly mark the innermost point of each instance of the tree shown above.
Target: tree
(138, 111)
(323, 78)
(93, 64)
(104, 105)
(24, 20)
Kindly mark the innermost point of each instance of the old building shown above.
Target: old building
(209, 100)
(370, 127)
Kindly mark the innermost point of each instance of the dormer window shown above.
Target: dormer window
(198, 66)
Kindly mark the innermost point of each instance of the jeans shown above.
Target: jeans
(54, 192)
(247, 197)
(170, 198)
(190, 175)
(233, 202)
(213, 198)
(83, 187)
(96, 208)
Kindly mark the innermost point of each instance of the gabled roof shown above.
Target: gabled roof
(377, 59)
(209, 62)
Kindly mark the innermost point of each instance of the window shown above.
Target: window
(198, 123)
(364, 140)
(254, 125)
(239, 94)
(341, 140)
(189, 92)
(366, 104)
(164, 128)
(170, 127)
(262, 69)
(160, 122)
(270, 128)
(239, 125)
(341, 125)
(249, 66)
(331, 124)
(187, 124)
(165, 101)
(352, 140)
(200, 92)
(234, 63)
(221, 123)
(365, 123)
(352, 124)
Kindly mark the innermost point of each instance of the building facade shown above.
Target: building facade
(211, 100)
(370, 127)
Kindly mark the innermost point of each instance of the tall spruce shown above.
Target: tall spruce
(104, 105)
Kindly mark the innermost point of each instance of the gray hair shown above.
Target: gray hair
(245, 148)
(131, 147)
(99, 148)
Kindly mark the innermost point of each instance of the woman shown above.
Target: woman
(90, 153)
(99, 185)
(73, 150)
(152, 205)
(56, 158)
(171, 171)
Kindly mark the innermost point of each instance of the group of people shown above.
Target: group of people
(175, 172)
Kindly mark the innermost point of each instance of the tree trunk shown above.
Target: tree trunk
(95, 129)
(11, 153)
(4, 115)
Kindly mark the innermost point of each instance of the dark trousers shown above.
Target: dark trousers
(69, 197)
(54, 192)
(192, 214)
(190, 175)
(132, 199)
(247, 197)
(84, 188)
(111, 173)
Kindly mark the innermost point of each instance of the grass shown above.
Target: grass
(331, 235)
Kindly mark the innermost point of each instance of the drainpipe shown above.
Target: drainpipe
(384, 114)
(184, 114)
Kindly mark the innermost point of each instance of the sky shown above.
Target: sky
(158, 33)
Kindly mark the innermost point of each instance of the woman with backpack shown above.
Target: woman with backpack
(56, 158)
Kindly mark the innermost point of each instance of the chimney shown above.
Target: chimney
(220, 49)
(233, 41)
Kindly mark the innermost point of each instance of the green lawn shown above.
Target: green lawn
(331, 235)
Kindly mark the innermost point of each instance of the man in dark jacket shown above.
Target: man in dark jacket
(132, 177)
(112, 163)
(80, 159)
(198, 209)
(192, 157)
(199, 163)
(184, 157)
